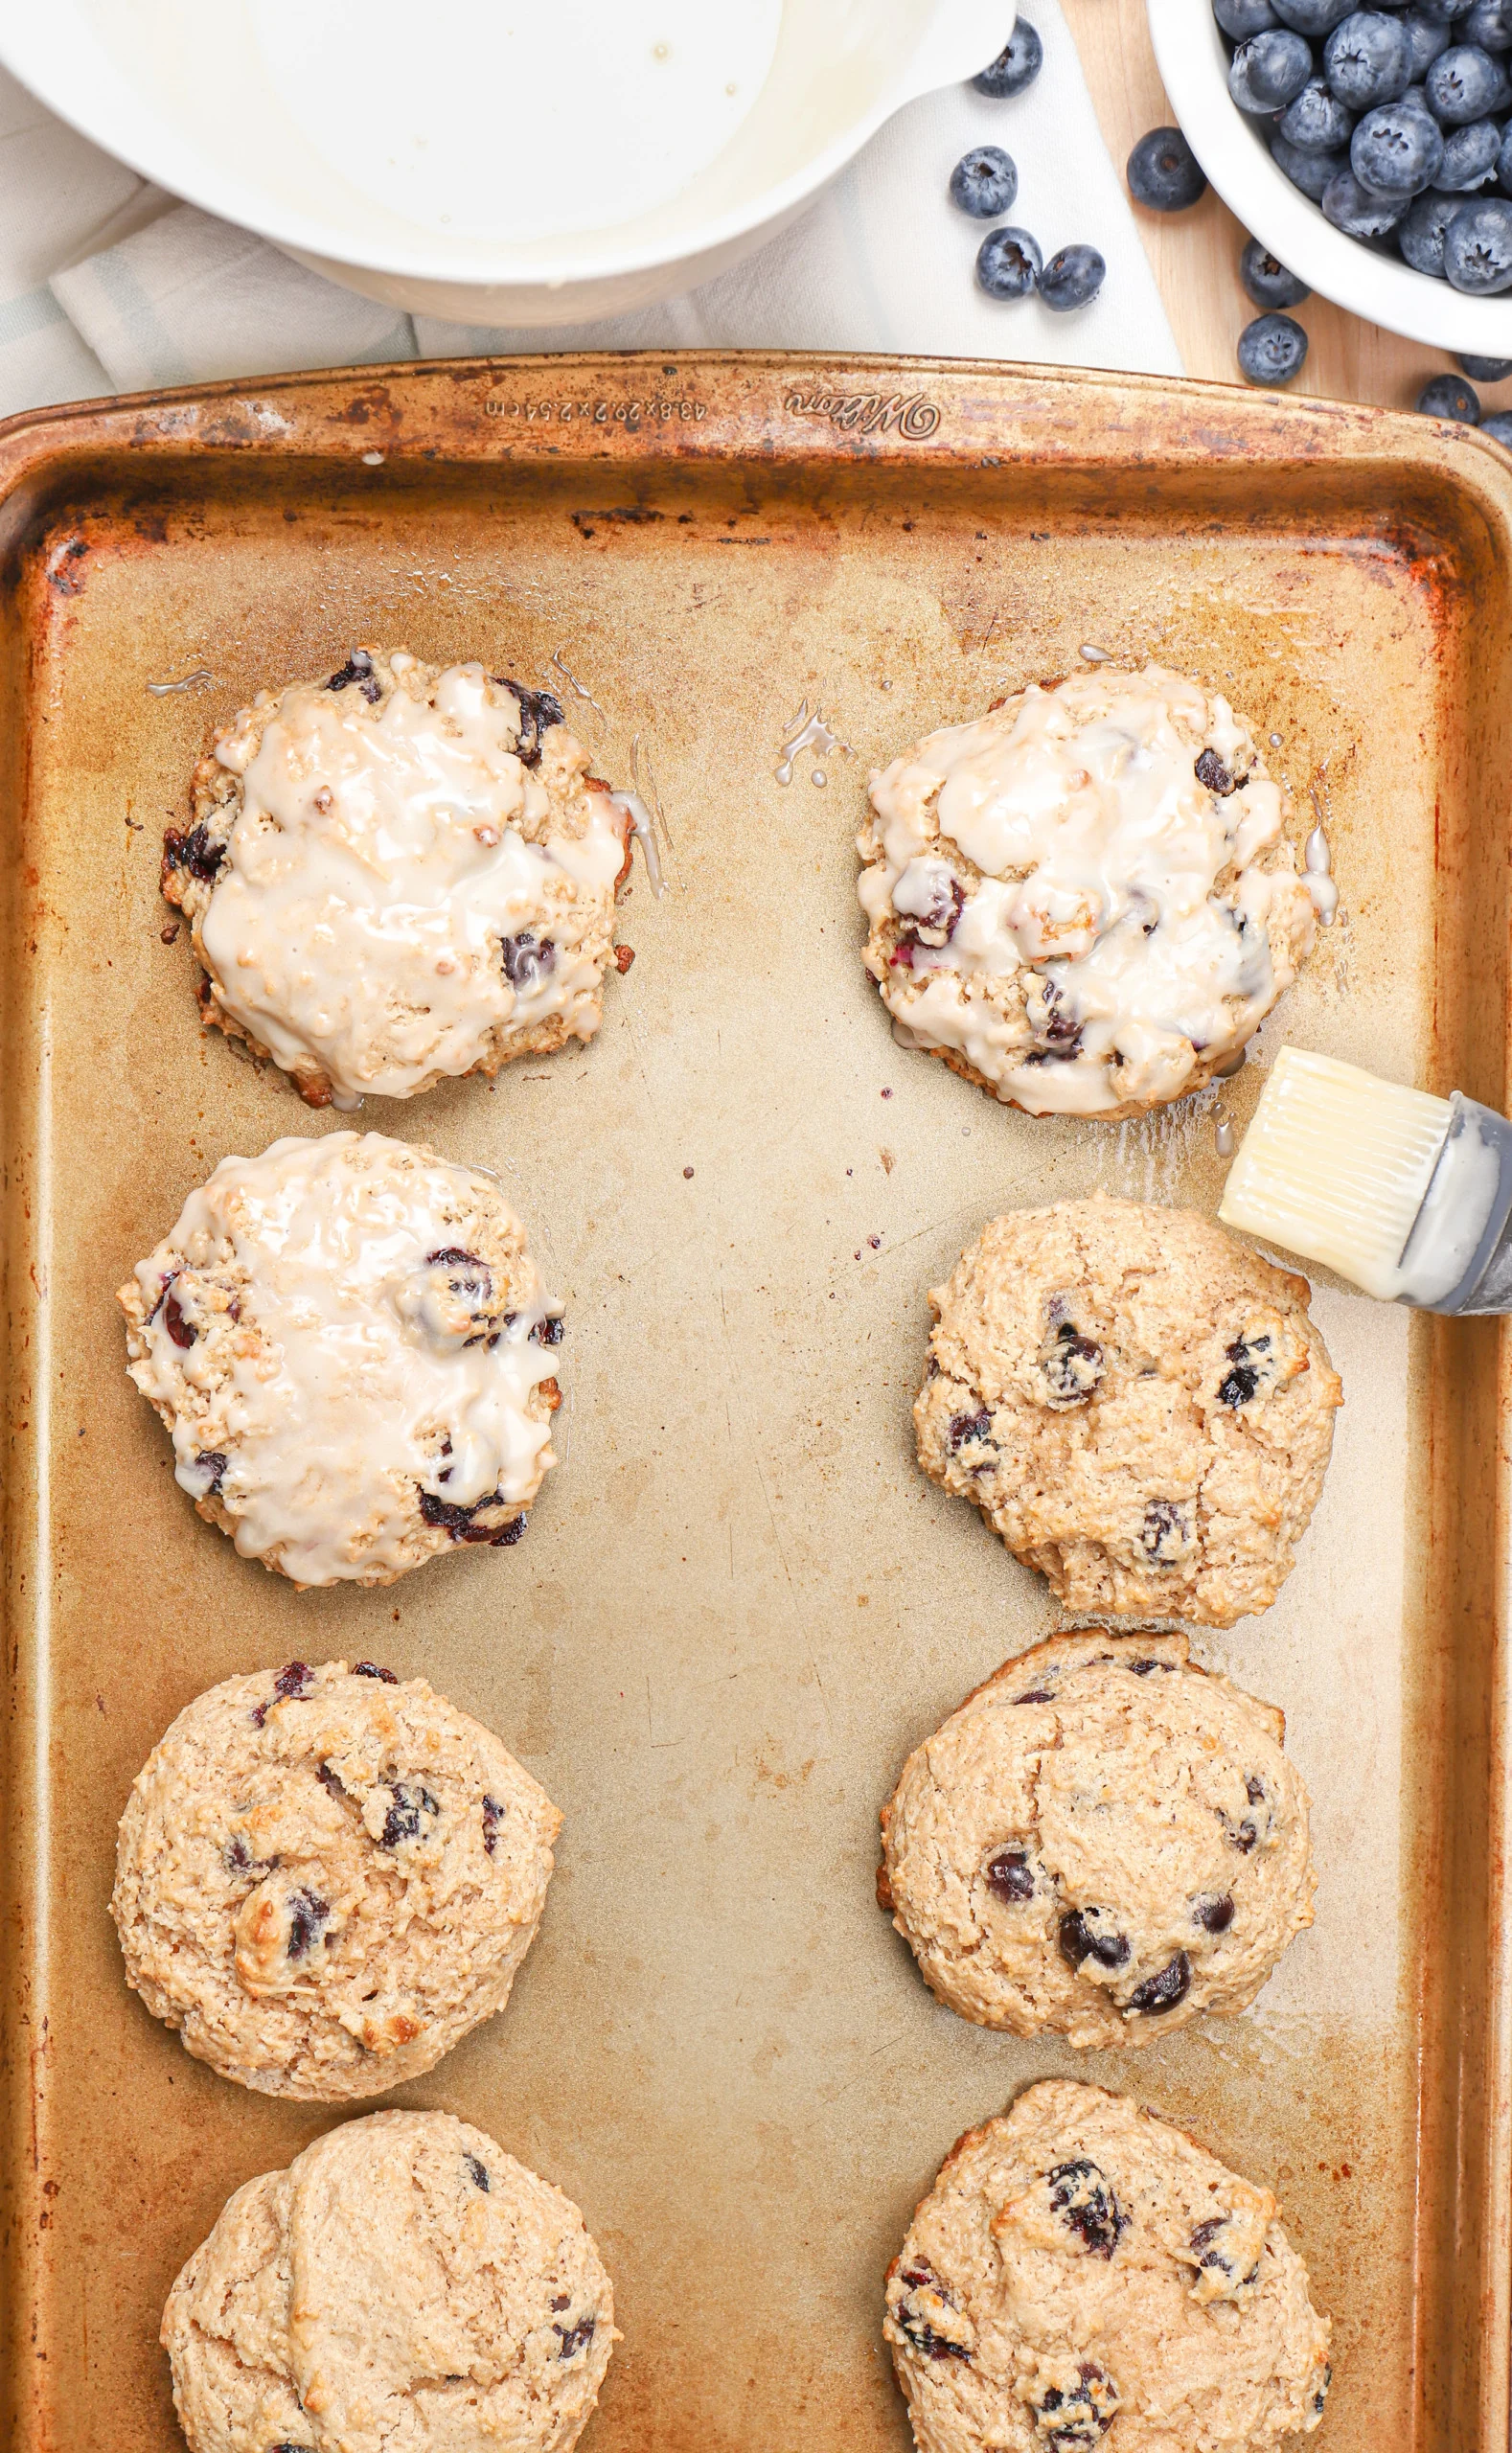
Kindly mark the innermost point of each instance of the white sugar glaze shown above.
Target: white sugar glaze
(372, 873)
(346, 1368)
(1122, 889)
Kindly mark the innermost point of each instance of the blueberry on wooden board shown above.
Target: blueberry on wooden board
(1449, 395)
(1164, 172)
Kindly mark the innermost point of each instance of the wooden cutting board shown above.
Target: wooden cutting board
(1195, 255)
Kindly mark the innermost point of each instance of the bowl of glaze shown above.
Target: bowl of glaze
(532, 162)
(1232, 150)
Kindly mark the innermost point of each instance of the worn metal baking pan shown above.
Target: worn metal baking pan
(738, 1604)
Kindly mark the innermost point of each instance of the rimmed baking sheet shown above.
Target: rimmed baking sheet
(738, 1604)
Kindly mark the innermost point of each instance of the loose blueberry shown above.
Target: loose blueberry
(1449, 395)
(1470, 156)
(1309, 172)
(1267, 281)
(1425, 42)
(1465, 83)
(1317, 121)
(1367, 59)
(1272, 349)
(1164, 172)
(1421, 235)
(1395, 152)
(1489, 23)
(1499, 427)
(1478, 248)
(1484, 370)
(1016, 65)
(1242, 18)
(1268, 71)
(984, 181)
(1008, 262)
(1313, 17)
(1072, 278)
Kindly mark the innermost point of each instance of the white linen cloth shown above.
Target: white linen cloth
(107, 284)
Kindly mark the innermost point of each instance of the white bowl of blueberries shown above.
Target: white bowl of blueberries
(1369, 149)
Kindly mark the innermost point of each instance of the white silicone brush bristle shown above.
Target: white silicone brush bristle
(1335, 1166)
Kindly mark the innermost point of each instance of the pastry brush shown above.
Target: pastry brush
(1407, 1195)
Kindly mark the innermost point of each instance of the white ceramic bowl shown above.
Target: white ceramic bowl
(1232, 151)
(259, 111)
